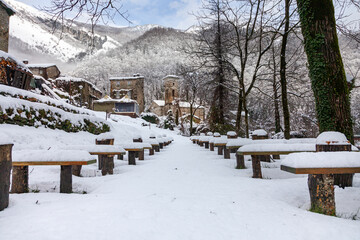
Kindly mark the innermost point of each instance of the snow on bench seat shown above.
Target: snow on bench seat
(279, 148)
(152, 142)
(238, 142)
(221, 141)
(99, 149)
(322, 163)
(51, 157)
(204, 139)
(136, 146)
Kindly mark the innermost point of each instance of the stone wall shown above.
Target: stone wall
(136, 84)
(4, 30)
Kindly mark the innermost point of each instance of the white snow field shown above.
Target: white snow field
(184, 192)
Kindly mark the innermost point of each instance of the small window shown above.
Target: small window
(118, 84)
(41, 71)
(129, 83)
(173, 84)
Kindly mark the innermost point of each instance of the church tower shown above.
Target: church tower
(171, 84)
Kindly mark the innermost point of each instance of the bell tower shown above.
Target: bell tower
(171, 84)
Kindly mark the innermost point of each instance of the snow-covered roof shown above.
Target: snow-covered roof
(41, 65)
(125, 78)
(10, 58)
(125, 99)
(7, 7)
(161, 103)
(171, 76)
(76, 79)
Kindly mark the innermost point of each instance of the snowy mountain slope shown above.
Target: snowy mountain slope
(31, 32)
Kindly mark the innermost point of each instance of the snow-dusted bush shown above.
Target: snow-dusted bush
(150, 117)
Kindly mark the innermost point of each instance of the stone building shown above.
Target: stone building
(44, 70)
(133, 87)
(123, 106)
(5, 13)
(80, 90)
(173, 102)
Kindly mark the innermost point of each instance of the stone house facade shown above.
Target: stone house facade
(172, 102)
(133, 87)
(45, 70)
(5, 13)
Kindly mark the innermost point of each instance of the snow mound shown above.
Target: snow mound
(333, 138)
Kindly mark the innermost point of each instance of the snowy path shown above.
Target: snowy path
(185, 192)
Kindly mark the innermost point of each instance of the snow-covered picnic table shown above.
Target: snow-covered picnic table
(21, 160)
(322, 163)
(132, 148)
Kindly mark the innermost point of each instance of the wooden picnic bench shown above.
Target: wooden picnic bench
(63, 158)
(136, 147)
(105, 155)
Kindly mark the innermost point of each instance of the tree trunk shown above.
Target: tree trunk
(5, 169)
(246, 119)
(276, 96)
(20, 179)
(191, 119)
(284, 99)
(238, 114)
(325, 66)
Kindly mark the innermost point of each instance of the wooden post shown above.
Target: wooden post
(101, 157)
(256, 166)
(201, 144)
(321, 186)
(152, 151)
(226, 153)
(161, 145)
(5, 169)
(240, 162)
(220, 150)
(207, 145)
(141, 155)
(121, 157)
(212, 147)
(263, 158)
(108, 164)
(66, 179)
(234, 150)
(131, 158)
(76, 170)
(157, 148)
(20, 179)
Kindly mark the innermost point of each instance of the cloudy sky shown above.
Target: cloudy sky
(169, 13)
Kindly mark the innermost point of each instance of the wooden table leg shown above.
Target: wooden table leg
(207, 145)
(240, 162)
(20, 179)
(256, 166)
(108, 165)
(161, 145)
(76, 170)
(157, 148)
(211, 147)
(5, 169)
(66, 179)
(131, 158)
(152, 151)
(141, 155)
(220, 150)
(121, 157)
(226, 153)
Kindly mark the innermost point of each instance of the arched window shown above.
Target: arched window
(173, 93)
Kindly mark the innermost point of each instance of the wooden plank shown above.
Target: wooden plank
(48, 163)
(271, 153)
(319, 170)
(147, 147)
(134, 149)
(219, 144)
(107, 153)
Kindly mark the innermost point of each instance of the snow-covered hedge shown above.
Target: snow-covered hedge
(23, 112)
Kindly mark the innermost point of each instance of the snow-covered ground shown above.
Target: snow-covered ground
(183, 192)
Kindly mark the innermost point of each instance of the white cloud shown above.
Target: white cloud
(184, 14)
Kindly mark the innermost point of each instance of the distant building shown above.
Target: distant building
(5, 13)
(46, 70)
(124, 106)
(132, 87)
(14, 73)
(172, 102)
(78, 89)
